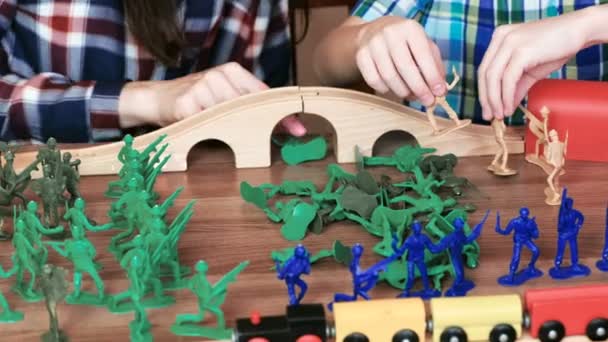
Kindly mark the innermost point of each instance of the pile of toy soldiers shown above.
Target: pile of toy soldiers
(429, 193)
(59, 176)
(146, 248)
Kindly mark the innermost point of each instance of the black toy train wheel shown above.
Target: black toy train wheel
(551, 331)
(597, 329)
(405, 335)
(356, 337)
(453, 334)
(503, 333)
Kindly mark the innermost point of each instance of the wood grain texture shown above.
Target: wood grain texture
(359, 119)
(225, 231)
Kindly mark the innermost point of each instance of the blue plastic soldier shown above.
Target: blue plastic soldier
(415, 245)
(455, 243)
(363, 280)
(602, 264)
(291, 271)
(569, 224)
(525, 231)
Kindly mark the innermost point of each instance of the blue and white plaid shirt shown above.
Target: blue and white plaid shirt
(463, 30)
(63, 63)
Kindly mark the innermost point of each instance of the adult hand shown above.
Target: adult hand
(395, 54)
(519, 55)
(165, 102)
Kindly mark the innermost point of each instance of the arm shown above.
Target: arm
(48, 231)
(25, 243)
(534, 227)
(280, 270)
(57, 247)
(439, 247)
(101, 228)
(478, 228)
(71, 110)
(9, 273)
(398, 251)
(507, 230)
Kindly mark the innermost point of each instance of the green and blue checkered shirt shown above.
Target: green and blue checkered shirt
(463, 30)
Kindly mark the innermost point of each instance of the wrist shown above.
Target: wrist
(595, 24)
(137, 104)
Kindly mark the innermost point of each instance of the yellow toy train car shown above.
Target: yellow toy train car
(380, 320)
(485, 318)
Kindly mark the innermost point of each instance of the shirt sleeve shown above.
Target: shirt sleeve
(275, 58)
(369, 10)
(51, 105)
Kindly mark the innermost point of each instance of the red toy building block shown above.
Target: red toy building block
(572, 307)
(579, 107)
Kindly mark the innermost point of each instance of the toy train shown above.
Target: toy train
(547, 314)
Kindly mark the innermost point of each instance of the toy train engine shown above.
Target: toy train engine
(302, 323)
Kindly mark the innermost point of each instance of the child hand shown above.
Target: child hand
(165, 102)
(519, 55)
(395, 54)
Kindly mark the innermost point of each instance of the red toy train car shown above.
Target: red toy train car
(568, 311)
(577, 107)
(547, 314)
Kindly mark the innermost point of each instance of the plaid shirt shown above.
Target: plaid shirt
(64, 62)
(463, 30)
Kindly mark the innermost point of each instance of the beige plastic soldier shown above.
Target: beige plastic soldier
(540, 130)
(441, 101)
(499, 164)
(556, 157)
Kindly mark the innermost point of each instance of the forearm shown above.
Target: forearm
(334, 59)
(56, 106)
(135, 104)
(595, 24)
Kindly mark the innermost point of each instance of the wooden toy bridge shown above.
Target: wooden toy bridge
(246, 124)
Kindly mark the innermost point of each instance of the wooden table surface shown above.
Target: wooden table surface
(225, 231)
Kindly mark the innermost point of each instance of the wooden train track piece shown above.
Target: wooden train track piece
(246, 124)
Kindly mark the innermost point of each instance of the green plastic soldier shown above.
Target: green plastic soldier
(7, 315)
(146, 276)
(81, 253)
(50, 189)
(69, 170)
(132, 206)
(54, 286)
(15, 184)
(210, 299)
(132, 169)
(78, 219)
(155, 238)
(50, 154)
(140, 326)
(27, 258)
(33, 224)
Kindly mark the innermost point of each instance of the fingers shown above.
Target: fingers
(368, 70)
(242, 79)
(408, 70)
(419, 45)
(512, 75)
(438, 61)
(488, 59)
(400, 58)
(220, 84)
(386, 67)
(294, 126)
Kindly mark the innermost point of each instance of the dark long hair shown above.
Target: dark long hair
(154, 24)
